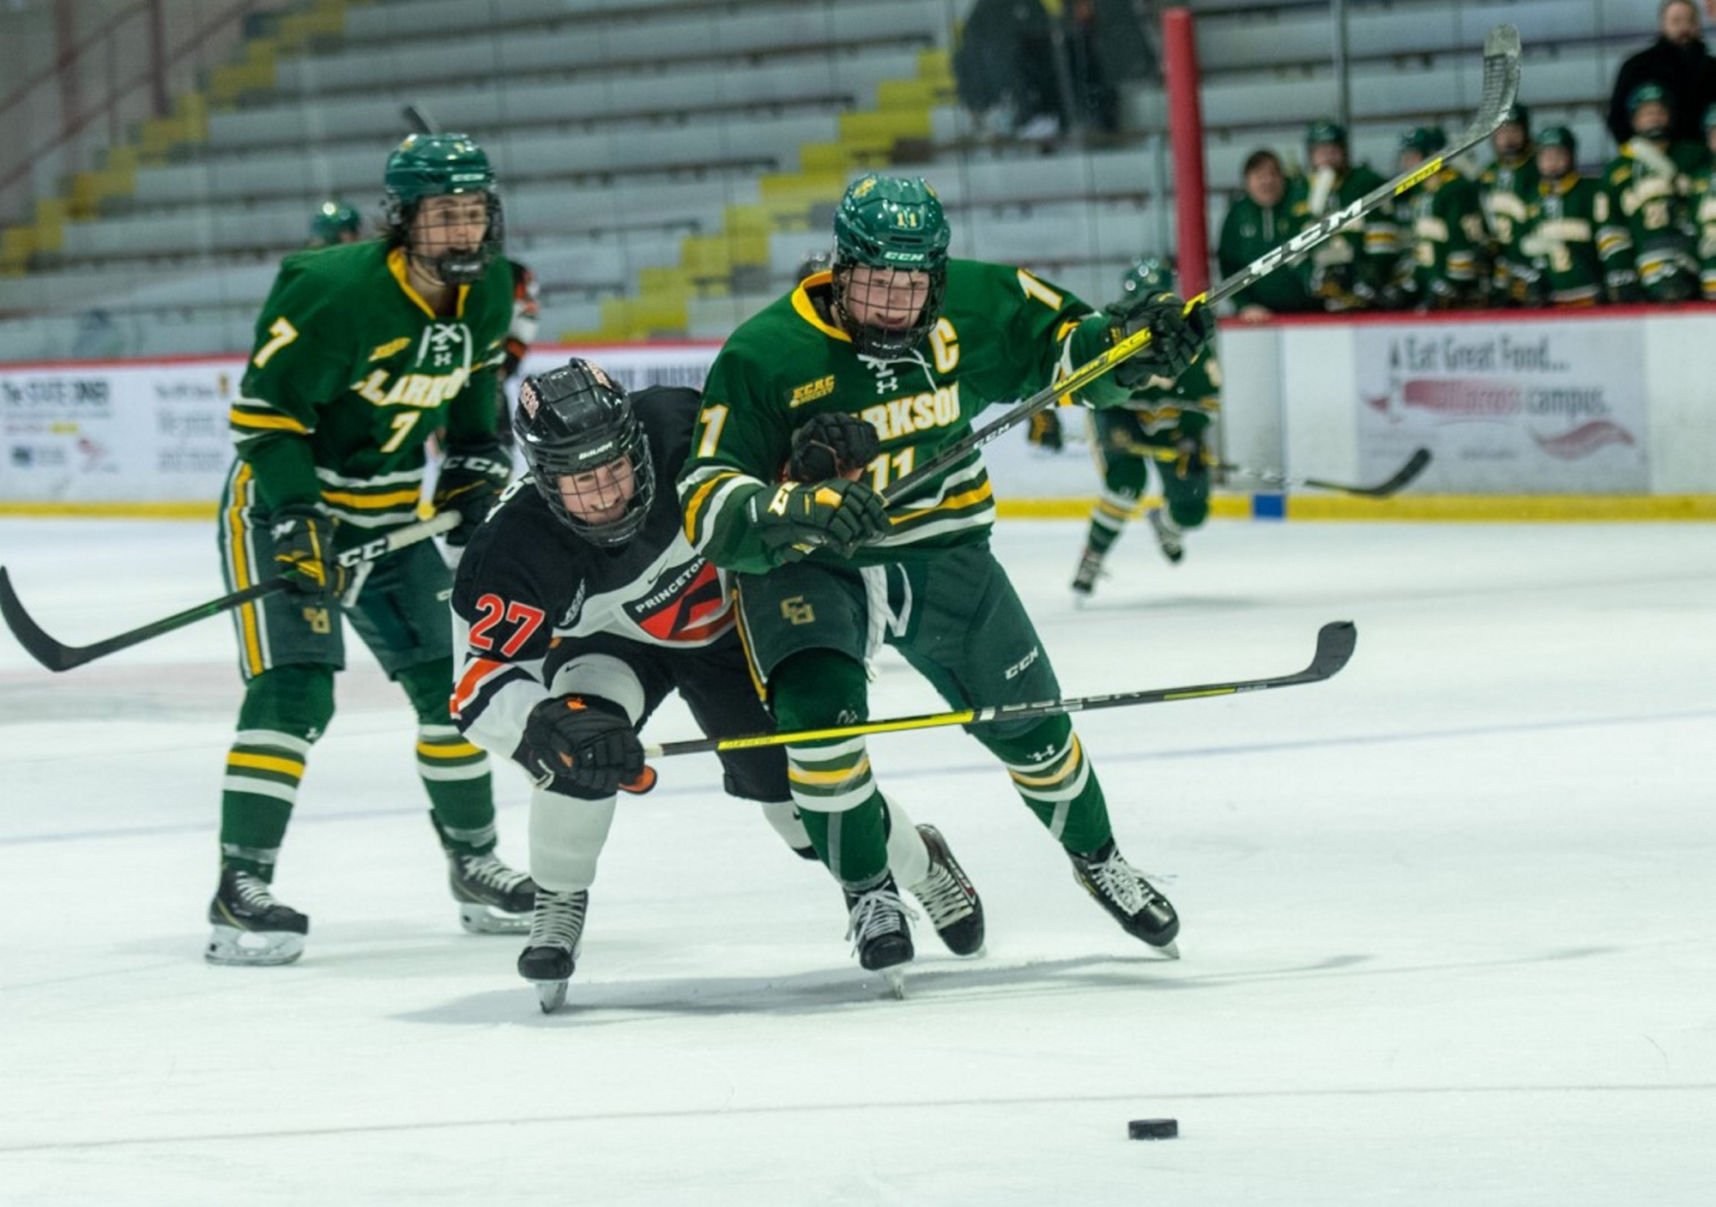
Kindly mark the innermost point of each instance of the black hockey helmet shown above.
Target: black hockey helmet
(572, 421)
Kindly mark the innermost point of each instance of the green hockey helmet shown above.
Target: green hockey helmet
(1325, 130)
(332, 223)
(890, 225)
(1517, 114)
(1645, 94)
(1147, 276)
(1426, 140)
(441, 165)
(1561, 136)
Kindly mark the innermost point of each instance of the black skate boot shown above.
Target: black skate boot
(556, 934)
(949, 898)
(1120, 889)
(250, 926)
(493, 898)
(880, 933)
(1089, 568)
(1170, 538)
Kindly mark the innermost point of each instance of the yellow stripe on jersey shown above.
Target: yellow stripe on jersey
(456, 750)
(267, 762)
(241, 571)
(839, 775)
(700, 497)
(284, 423)
(395, 498)
(978, 494)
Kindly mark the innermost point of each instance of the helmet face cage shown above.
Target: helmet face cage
(454, 265)
(892, 227)
(573, 421)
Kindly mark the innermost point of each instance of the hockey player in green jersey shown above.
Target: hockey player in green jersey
(1442, 220)
(1644, 225)
(1348, 271)
(1556, 260)
(362, 351)
(1260, 221)
(1165, 422)
(1704, 210)
(850, 382)
(334, 222)
(1507, 187)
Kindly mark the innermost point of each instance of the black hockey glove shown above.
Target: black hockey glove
(303, 540)
(1045, 430)
(585, 742)
(471, 482)
(832, 445)
(802, 516)
(1177, 337)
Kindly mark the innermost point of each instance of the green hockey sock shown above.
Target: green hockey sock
(285, 710)
(1056, 781)
(455, 773)
(831, 782)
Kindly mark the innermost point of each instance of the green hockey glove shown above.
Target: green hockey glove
(800, 517)
(303, 540)
(471, 482)
(1045, 430)
(1191, 459)
(1177, 336)
(833, 445)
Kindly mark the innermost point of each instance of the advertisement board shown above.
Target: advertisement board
(1505, 406)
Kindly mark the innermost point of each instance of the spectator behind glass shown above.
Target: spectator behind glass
(1004, 70)
(1258, 222)
(1679, 62)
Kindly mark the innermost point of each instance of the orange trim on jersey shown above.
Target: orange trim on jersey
(466, 689)
(806, 309)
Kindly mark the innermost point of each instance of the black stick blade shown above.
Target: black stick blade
(1415, 465)
(1335, 643)
(36, 643)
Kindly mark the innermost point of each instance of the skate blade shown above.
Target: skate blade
(550, 995)
(480, 919)
(231, 946)
(1169, 950)
(896, 979)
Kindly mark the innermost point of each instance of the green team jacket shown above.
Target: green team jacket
(1642, 211)
(1370, 247)
(1247, 232)
(350, 374)
(1508, 187)
(1558, 239)
(1447, 235)
(1003, 334)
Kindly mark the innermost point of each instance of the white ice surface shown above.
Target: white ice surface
(1448, 918)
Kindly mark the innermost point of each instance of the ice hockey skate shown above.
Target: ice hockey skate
(556, 935)
(1170, 539)
(1084, 580)
(250, 925)
(1121, 889)
(949, 897)
(880, 932)
(493, 898)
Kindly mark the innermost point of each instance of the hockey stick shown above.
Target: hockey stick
(1501, 85)
(1335, 642)
(58, 657)
(419, 121)
(1402, 477)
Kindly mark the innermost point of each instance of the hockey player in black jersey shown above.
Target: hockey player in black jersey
(580, 606)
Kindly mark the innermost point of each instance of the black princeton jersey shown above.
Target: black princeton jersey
(527, 582)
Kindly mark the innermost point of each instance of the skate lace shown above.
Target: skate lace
(944, 899)
(559, 919)
(878, 912)
(492, 873)
(253, 891)
(1123, 884)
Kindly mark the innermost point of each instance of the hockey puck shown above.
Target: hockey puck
(1153, 1129)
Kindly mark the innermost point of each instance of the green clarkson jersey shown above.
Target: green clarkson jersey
(1704, 218)
(1364, 251)
(1559, 240)
(1002, 334)
(351, 373)
(1250, 230)
(1447, 236)
(1642, 214)
(1170, 410)
(1508, 188)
